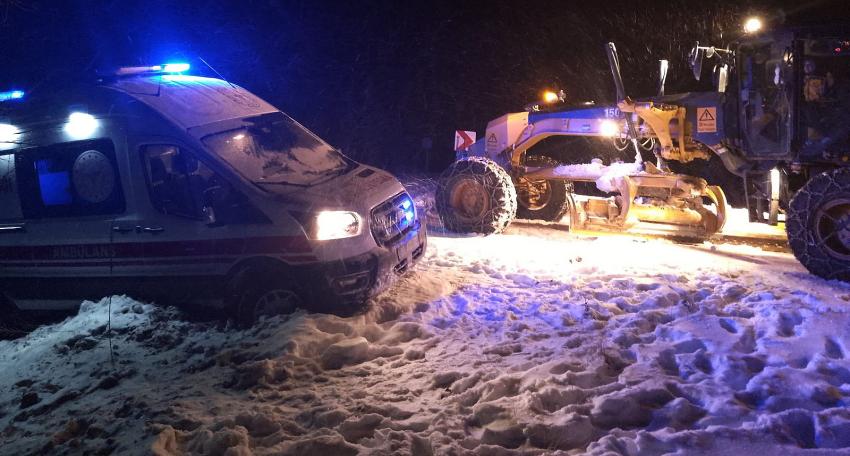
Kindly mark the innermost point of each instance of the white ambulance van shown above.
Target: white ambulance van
(177, 188)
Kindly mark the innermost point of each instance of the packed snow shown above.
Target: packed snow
(535, 341)
(607, 178)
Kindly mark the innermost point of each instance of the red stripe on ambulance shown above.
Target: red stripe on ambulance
(287, 245)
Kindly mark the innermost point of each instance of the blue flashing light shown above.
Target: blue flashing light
(175, 67)
(408, 210)
(12, 95)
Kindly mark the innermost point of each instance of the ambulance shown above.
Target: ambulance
(176, 188)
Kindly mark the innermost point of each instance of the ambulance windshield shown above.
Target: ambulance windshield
(275, 149)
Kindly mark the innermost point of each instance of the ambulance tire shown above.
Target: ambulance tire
(257, 292)
(476, 195)
(11, 319)
(16, 322)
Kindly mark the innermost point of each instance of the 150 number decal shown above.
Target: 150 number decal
(612, 113)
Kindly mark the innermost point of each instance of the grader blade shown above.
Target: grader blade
(645, 201)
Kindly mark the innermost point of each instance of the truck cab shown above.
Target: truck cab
(175, 188)
(790, 95)
(786, 107)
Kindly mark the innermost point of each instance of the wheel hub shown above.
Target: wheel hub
(533, 194)
(832, 228)
(276, 302)
(470, 200)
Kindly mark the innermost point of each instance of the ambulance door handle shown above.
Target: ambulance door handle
(153, 229)
(123, 229)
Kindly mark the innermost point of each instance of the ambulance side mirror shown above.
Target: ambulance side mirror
(224, 205)
(209, 216)
(215, 206)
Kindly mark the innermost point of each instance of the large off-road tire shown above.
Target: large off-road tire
(476, 195)
(542, 199)
(818, 225)
(256, 293)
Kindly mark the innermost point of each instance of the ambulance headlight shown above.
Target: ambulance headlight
(336, 225)
(81, 125)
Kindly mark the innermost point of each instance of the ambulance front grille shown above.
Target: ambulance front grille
(392, 219)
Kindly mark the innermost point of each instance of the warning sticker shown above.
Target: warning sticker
(492, 142)
(707, 120)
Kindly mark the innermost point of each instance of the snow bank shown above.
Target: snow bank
(531, 342)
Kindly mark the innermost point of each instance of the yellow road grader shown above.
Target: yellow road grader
(779, 126)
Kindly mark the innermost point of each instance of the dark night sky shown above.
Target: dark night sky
(378, 78)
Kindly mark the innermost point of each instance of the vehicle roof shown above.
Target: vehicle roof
(191, 101)
(186, 101)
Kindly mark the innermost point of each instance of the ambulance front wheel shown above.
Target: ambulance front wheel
(257, 294)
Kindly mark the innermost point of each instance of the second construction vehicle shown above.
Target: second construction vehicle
(772, 119)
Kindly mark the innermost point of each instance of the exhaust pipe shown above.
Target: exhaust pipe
(662, 76)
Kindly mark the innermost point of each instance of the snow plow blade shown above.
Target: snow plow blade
(649, 201)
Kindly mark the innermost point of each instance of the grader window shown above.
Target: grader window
(764, 101)
(825, 93)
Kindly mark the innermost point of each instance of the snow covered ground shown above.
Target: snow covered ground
(536, 341)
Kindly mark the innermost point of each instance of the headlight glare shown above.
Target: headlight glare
(8, 134)
(337, 225)
(609, 128)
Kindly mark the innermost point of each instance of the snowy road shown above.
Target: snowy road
(530, 342)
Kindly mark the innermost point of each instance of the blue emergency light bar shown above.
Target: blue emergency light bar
(169, 68)
(11, 95)
(176, 67)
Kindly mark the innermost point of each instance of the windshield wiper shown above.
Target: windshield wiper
(17, 143)
(331, 175)
(281, 183)
(321, 178)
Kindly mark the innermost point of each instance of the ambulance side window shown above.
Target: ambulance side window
(66, 180)
(179, 184)
(176, 180)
